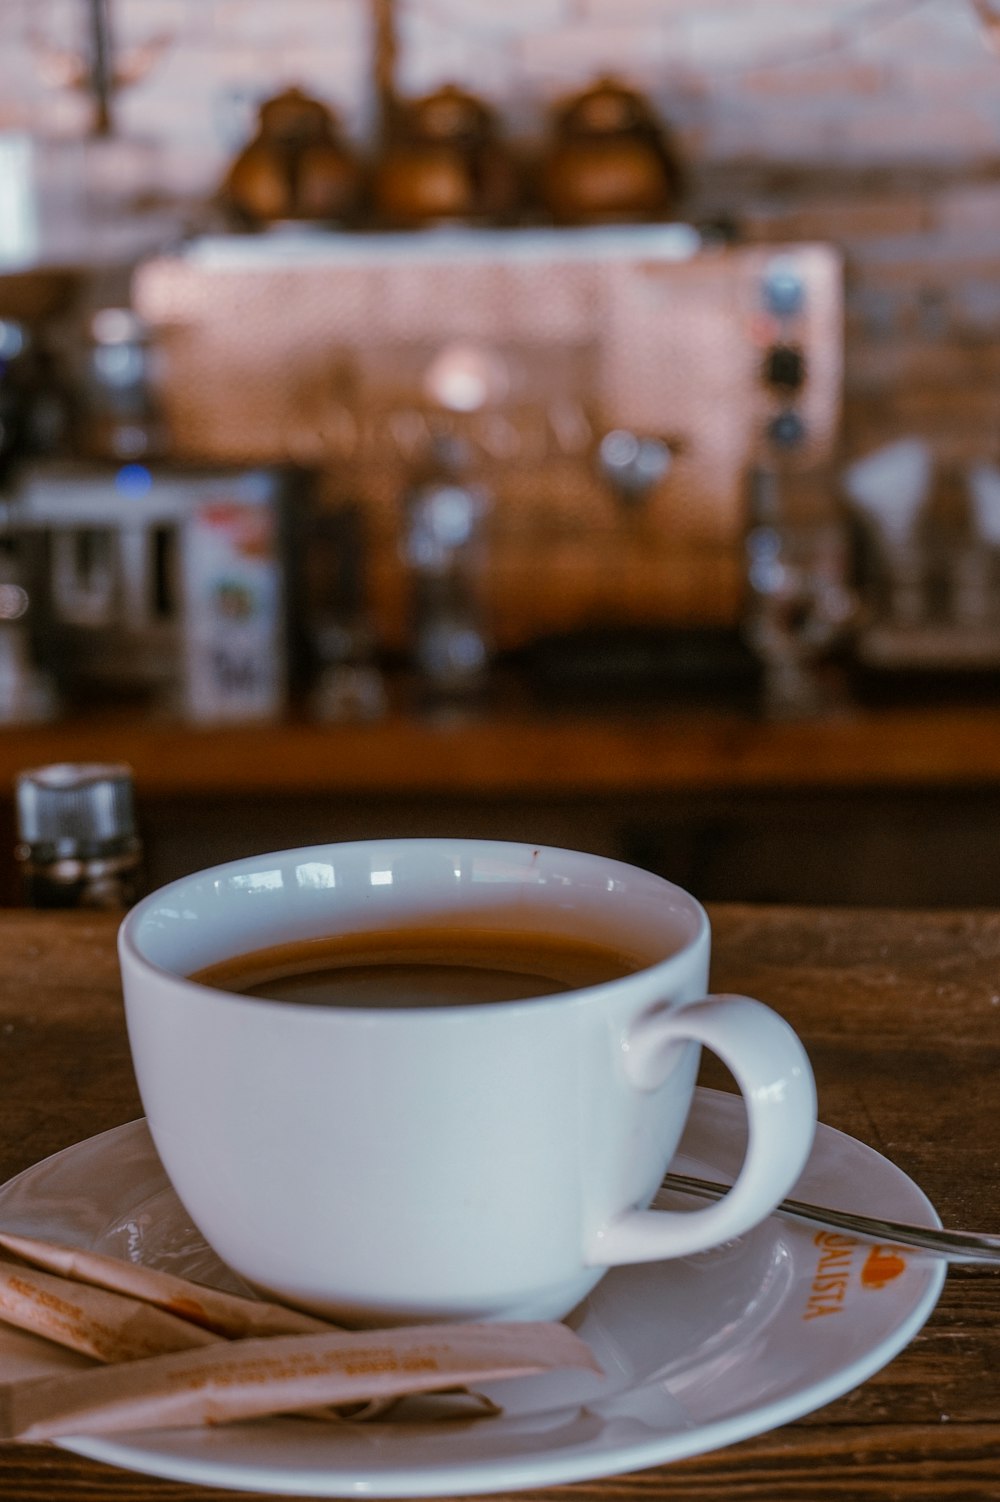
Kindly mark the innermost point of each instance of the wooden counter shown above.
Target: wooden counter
(901, 1016)
(521, 752)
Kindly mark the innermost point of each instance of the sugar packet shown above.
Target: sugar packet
(288, 1374)
(228, 1314)
(178, 1352)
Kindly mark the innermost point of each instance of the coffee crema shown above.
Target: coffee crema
(418, 967)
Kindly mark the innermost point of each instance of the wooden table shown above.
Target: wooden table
(510, 751)
(880, 807)
(901, 1015)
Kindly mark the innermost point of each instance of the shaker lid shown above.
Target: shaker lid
(70, 804)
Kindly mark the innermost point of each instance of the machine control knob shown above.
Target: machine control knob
(787, 430)
(784, 366)
(783, 289)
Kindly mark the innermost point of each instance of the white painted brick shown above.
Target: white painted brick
(667, 13)
(946, 135)
(758, 34)
(924, 31)
(584, 52)
(838, 81)
(497, 18)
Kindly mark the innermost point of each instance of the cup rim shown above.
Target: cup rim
(658, 970)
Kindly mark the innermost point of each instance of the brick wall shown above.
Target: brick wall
(872, 123)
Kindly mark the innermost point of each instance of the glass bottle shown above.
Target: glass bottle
(121, 420)
(77, 839)
(443, 547)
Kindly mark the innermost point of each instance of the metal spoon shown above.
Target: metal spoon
(957, 1246)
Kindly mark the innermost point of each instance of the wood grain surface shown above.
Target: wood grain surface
(900, 1013)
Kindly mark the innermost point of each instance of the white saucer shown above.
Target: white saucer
(698, 1353)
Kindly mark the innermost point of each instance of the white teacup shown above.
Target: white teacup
(455, 1162)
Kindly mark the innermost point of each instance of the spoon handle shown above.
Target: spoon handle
(957, 1246)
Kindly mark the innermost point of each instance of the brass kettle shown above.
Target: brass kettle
(297, 167)
(444, 162)
(610, 161)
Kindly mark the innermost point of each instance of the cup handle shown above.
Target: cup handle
(773, 1072)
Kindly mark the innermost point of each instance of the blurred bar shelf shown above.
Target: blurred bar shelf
(527, 754)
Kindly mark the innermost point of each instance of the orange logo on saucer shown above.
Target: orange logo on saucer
(835, 1272)
(881, 1266)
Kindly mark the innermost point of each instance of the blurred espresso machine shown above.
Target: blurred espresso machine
(130, 576)
(156, 583)
(504, 438)
(599, 395)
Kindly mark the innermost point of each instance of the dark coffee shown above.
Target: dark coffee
(418, 968)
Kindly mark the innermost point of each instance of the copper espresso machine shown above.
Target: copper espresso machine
(610, 388)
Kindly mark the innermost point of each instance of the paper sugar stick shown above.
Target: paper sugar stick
(110, 1327)
(282, 1374)
(226, 1314)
